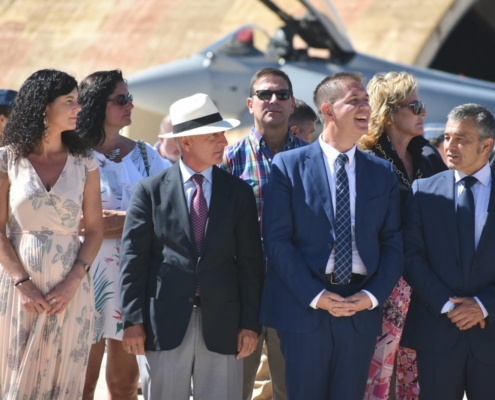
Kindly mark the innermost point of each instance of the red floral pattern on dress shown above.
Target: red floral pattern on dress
(387, 348)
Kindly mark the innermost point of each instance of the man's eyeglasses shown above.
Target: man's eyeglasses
(417, 107)
(266, 95)
(122, 99)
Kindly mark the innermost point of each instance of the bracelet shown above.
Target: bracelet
(85, 265)
(22, 281)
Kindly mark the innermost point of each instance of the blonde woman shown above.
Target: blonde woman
(396, 134)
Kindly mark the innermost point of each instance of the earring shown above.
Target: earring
(45, 121)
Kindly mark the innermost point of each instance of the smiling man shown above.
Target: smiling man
(331, 229)
(449, 262)
(271, 102)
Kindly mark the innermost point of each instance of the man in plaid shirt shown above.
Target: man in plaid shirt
(271, 102)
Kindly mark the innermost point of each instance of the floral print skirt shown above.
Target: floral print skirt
(44, 357)
(389, 354)
(106, 273)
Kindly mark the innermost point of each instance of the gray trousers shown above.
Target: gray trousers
(166, 375)
(276, 364)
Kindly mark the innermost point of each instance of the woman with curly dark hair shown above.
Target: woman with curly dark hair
(48, 177)
(106, 108)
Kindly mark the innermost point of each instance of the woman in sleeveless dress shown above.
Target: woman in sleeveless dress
(48, 177)
(106, 109)
(396, 135)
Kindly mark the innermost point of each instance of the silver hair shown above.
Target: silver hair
(485, 123)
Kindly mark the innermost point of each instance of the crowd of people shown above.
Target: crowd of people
(357, 263)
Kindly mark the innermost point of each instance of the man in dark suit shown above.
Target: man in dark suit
(331, 229)
(449, 225)
(191, 266)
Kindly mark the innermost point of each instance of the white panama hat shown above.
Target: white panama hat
(197, 115)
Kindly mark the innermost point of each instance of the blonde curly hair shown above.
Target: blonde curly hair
(387, 92)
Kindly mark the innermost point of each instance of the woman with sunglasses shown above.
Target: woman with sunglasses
(106, 108)
(48, 177)
(396, 134)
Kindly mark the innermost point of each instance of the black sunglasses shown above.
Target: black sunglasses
(122, 99)
(417, 106)
(266, 95)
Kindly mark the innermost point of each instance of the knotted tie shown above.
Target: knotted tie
(465, 223)
(343, 236)
(198, 212)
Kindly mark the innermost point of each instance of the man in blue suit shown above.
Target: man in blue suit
(332, 232)
(449, 226)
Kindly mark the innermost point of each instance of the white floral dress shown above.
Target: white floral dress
(117, 181)
(44, 356)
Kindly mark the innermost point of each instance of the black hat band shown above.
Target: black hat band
(197, 123)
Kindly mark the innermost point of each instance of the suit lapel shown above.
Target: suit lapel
(174, 190)
(490, 220)
(361, 188)
(220, 198)
(318, 171)
(447, 209)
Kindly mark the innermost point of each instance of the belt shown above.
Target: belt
(197, 301)
(355, 278)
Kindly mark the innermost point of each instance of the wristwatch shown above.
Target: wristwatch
(85, 265)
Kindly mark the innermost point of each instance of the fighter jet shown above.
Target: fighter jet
(223, 70)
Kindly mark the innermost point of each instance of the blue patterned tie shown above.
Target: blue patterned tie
(465, 223)
(343, 235)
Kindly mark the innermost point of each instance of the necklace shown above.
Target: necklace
(399, 173)
(112, 154)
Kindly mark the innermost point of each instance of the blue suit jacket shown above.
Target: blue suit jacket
(298, 232)
(433, 269)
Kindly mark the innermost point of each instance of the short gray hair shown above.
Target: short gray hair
(303, 114)
(485, 123)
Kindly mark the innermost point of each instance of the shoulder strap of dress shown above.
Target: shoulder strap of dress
(144, 154)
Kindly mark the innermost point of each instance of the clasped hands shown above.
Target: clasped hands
(339, 306)
(467, 313)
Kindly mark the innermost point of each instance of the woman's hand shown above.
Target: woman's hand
(32, 299)
(60, 297)
(113, 220)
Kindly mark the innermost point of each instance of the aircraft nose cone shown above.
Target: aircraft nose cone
(157, 88)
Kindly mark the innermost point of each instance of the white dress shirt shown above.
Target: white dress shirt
(481, 193)
(331, 155)
(190, 186)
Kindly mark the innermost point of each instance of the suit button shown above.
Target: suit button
(330, 246)
(190, 300)
(321, 271)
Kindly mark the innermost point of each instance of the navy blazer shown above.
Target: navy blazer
(298, 234)
(433, 269)
(160, 267)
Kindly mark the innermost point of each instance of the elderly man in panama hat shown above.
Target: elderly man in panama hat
(191, 266)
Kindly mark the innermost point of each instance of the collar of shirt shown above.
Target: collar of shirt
(331, 153)
(260, 142)
(188, 172)
(483, 175)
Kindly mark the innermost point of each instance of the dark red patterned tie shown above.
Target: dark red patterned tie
(198, 211)
(199, 216)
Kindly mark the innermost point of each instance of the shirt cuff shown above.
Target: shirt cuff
(485, 313)
(448, 307)
(374, 301)
(315, 300)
